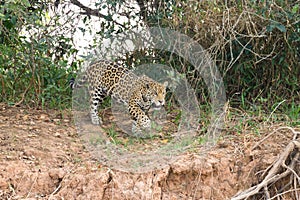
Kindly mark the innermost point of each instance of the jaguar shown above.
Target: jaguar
(138, 93)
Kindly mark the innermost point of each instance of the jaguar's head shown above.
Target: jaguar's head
(156, 93)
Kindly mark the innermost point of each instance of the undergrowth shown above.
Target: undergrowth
(255, 45)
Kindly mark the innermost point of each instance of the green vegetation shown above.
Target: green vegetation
(34, 67)
(255, 45)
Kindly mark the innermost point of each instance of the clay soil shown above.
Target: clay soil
(42, 157)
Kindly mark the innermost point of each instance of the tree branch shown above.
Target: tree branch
(142, 8)
(94, 12)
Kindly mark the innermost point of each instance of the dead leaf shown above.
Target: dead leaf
(165, 141)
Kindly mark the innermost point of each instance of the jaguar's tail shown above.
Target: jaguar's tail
(72, 83)
(77, 84)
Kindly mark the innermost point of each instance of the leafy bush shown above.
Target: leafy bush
(33, 62)
(256, 45)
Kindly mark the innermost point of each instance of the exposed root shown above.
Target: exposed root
(287, 164)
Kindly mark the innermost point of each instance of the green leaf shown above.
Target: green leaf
(270, 28)
(295, 9)
(25, 3)
(277, 25)
(13, 20)
(281, 28)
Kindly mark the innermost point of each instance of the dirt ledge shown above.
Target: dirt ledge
(41, 157)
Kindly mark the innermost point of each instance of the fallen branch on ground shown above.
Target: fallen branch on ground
(278, 170)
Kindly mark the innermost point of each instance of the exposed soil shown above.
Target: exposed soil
(42, 157)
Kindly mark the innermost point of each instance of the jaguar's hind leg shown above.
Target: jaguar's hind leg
(97, 97)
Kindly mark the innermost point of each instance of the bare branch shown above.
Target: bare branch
(94, 12)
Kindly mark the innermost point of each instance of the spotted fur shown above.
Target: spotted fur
(138, 93)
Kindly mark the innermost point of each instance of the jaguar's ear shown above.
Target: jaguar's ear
(166, 84)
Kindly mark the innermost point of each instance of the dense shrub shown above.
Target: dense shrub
(256, 45)
(33, 62)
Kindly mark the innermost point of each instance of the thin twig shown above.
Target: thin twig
(275, 109)
(280, 128)
(34, 182)
(288, 191)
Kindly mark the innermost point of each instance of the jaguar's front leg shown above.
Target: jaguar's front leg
(141, 123)
(141, 126)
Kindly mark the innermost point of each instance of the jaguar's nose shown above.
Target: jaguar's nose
(161, 102)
